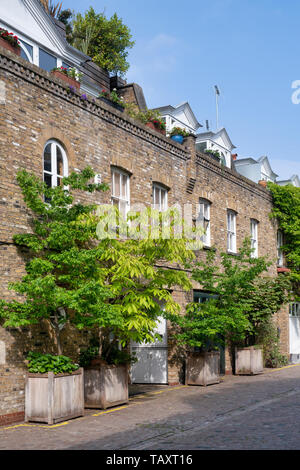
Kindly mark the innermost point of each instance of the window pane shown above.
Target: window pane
(48, 180)
(47, 158)
(29, 50)
(124, 186)
(116, 184)
(47, 61)
(59, 161)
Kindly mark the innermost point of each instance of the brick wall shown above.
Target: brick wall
(37, 109)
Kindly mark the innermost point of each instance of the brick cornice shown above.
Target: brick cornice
(207, 163)
(38, 77)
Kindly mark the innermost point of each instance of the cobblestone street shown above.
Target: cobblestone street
(261, 412)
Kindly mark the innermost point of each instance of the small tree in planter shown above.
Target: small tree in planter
(178, 134)
(234, 311)
(132, 269)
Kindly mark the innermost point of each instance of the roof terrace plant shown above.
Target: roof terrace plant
(10, 37)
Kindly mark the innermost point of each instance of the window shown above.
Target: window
(279, 249)
(295, 309)
(204, 219)
(231, 231)
(254, 237)
(26, 51)
(160, 198)
(47, 61)
(55, 164)
(120, 191)
(201, 297)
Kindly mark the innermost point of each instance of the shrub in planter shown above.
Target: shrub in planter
(10, 41)
(70, 76)
(105, 376)
(112, 99)
(177, 134)
(54, 389)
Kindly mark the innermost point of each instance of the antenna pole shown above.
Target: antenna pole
(217, 106)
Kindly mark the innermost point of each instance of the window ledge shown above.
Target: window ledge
(232, 253)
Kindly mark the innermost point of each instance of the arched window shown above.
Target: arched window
(55, 163)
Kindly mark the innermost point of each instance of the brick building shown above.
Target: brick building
(42, 123)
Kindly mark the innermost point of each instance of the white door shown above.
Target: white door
(294, 335)
(152, 359)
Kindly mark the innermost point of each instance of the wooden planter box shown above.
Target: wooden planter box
(249, 361)
(203, 369)
(65, 78)
(105, 386)
(6, 45)
(51, 398)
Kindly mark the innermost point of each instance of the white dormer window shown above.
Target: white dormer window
(231, 231)
(254, 237)
(204, 219)
(120, 191)
(160, 197)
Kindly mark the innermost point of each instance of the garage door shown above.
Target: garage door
(152, 359)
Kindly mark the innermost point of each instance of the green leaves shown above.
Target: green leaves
(43, 363)
(286, 210)
(105, 40)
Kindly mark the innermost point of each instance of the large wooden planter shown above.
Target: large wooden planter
(105, 386)
(65, 78)
(51, 398)
(6, 45)
(203, 368)
(249, 361)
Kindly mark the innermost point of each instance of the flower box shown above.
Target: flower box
(203, 368)
(51, 398)
(112, 103)
(105, 385)
(70, 81)
(6, 45)
(249, 361)
(155, 128)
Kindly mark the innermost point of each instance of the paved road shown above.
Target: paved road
(248, 413)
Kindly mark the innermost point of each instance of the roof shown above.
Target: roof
(207, 134)
(173, 110)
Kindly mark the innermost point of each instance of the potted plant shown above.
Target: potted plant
(177, 134)
(70, 76)
(10, 41)
(54, 389)
(157, 124)
(105, 375)
(112, 98)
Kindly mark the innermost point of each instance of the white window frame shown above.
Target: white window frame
(231, 231)
(204, 216)
(254, 237)
(125, 199)
(53, 172)
(294, 310)
(162, 204)
(280, 258)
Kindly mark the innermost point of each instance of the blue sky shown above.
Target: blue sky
(249, 48)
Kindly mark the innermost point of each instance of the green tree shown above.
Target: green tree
(105, 40)
(286, 210)
(114, 286)
(241, 300)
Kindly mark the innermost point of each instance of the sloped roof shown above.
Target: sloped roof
(184, 106)
(208, 134)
